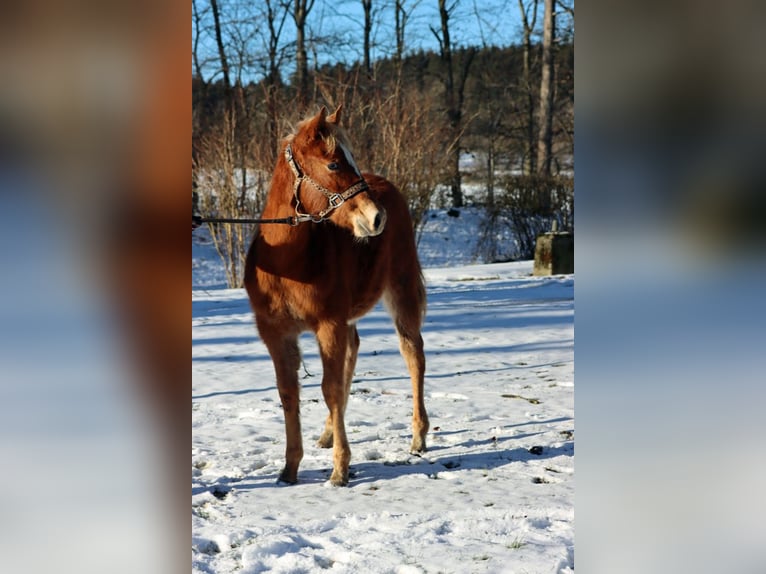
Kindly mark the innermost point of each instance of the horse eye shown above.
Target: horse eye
(333, 166)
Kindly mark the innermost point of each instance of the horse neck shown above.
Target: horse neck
(279, 204)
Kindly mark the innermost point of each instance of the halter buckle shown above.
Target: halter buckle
(336, 200)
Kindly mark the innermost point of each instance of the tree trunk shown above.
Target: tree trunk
(273, 80)
(400, 19)
(203, 117)
(400, 22)
(301, 9)
(221, 51)
(195, 42)
(454, 113)
(367, 5)
(529, 165)
(276, 22)
(491, 173)
(545, 139)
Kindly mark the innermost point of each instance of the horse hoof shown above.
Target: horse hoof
(418, 445)
(339, 479)
(287, 479)
(325, 441)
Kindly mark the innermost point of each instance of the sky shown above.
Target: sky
(340, 23)
(473, 22)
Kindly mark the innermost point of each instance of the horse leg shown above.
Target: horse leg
(352, 350)
(334, 348)
(286, 356)
(407, 312)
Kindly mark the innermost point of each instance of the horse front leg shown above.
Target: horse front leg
(352, 350)
(285, 354)
(333, 346)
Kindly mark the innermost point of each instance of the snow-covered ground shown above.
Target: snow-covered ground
(494, 492)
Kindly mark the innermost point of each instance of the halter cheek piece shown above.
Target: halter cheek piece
(335, 200)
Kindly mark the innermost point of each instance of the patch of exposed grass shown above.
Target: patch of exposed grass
(516, 544)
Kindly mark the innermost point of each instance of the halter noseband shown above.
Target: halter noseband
(335, 199)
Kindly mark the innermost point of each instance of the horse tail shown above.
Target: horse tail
(421, 291)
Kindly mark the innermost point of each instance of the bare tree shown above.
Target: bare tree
(528, 20)
(276, 16)
(197, 31)
(545, 115)
(412, 142)
(367, 6)
(402, 15)
(566, 7)
(453, 96)
(201, 115)
(219, 44)
(400, 22)
(234, 104)
(300, 12)
(215, 178)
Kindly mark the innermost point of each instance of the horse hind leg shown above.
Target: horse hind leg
(352, 350)
(407, 312)
(411, 348)
(285, 354)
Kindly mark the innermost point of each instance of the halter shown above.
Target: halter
(335, 199)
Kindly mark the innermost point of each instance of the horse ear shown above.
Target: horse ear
(320, 119)
(334, 118)
(314, 125)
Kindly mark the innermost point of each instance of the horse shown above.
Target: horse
(349, 243)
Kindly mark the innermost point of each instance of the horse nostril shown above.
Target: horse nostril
(376, 223)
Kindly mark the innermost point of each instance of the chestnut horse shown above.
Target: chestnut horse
(351, 242)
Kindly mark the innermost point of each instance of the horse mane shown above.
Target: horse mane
(330, 133)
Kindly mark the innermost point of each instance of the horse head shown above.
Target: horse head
(329, 184)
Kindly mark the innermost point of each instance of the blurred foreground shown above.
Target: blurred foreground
(94, 111)
(670, 273)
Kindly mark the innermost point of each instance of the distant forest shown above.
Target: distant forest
(499, 105)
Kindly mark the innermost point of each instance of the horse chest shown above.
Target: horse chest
(331, 293)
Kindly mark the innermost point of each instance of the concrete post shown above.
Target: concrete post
(554, 253)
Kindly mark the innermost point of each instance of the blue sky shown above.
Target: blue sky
(340, 24)
(474, 22)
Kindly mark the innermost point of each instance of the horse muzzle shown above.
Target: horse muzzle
(369, 221)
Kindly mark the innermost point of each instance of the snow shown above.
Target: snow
(447, 241)
(494, 492)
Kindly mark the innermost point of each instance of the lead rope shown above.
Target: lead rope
(198, 220)
(335, 200)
